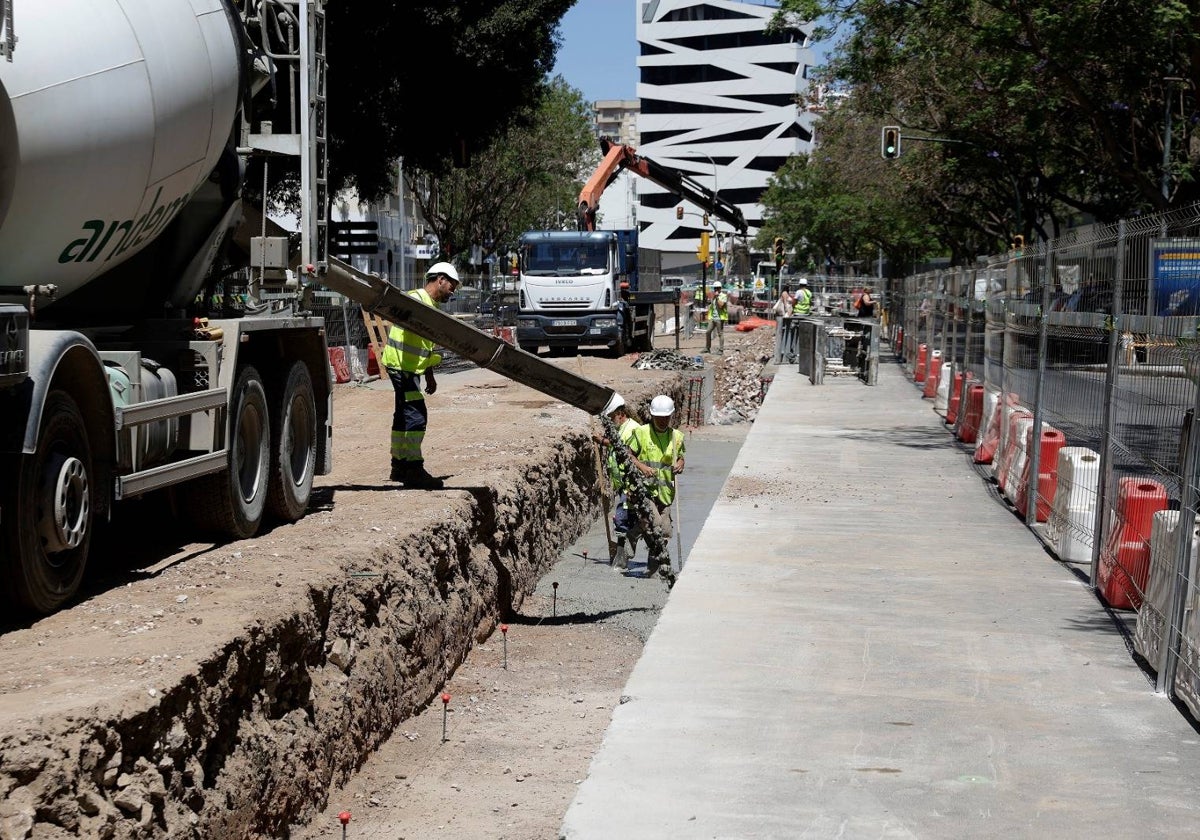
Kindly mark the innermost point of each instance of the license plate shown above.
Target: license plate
(564, 322)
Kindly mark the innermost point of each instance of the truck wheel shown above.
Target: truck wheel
(51, 499)
(233, 501)
(293, 445)
(645, 342)
(619, 349)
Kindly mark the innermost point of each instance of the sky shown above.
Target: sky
(599, 49)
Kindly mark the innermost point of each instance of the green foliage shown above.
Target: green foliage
(516, 182)
(1037, 112)
(428, 80)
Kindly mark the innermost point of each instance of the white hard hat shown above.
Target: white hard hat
(443, 268)
(803, 281)
(716, 284)
(662, 406)
(614, 402)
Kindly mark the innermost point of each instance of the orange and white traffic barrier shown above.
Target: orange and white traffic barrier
(958, 390)
(1164, 550)
(1020, 422)
(933, 373)
(1125, 557)
(1072, 523)
(989, 436)
(968, 430)
(941, 396)
(1007, 407)
(922, 361)
(1052, 440)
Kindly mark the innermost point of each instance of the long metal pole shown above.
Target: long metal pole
(403, 225)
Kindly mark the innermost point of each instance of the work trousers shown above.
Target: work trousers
(718, 326)
(662, 521)
(409, 417)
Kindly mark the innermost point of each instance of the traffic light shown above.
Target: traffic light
(706, 220)
(889, 145)
(679, 212)
(702, 251)
(778, 251)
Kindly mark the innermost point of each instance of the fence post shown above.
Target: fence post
(1100, 528)
(1034, 456)
(1168, 662)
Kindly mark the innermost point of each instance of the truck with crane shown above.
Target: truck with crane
(119, 375)
(592, 287)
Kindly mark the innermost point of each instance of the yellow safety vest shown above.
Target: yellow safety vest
(719, 307)
(408, 351)
(803, 304)
(663, 449)
(614, 468)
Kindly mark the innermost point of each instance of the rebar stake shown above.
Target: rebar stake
(554, 602)
(445, 706)
(344, 817)
(504, 631)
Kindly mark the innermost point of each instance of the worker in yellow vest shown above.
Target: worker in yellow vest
(659, 451)
(618, 412)
(406, 357)
(718, 316)
(802, 303)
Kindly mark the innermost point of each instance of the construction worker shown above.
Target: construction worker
(405, 358)
(658, 449)
(718, 315)
(618, 412)
(802, 303)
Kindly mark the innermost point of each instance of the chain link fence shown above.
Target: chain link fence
(1087, 345)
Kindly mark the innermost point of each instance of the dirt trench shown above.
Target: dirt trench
(219, 690)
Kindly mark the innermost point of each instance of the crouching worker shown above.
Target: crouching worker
(658, 449)
(617, 460)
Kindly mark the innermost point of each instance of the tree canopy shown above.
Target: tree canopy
(1019, 116)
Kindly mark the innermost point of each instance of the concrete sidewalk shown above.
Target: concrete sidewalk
(867, 643)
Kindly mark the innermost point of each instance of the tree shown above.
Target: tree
(524, 179)
(430, 81)
(1046, 110)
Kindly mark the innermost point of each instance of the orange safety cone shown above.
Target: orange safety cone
(1125, 557)
(1052, 441)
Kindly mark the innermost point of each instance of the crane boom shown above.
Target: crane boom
(618, 156)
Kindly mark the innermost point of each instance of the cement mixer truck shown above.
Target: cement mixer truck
(126, 127)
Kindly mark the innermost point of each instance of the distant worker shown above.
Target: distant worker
(618, 412)
(406, 357)
(718, 314)
(658, 450)
(865, 304)
(624, 314)
(803, 300)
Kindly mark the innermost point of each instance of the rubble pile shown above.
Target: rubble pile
(738, 379)
(667, 360)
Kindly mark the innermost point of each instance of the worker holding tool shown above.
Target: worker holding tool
(407, 356)
(658, 449)
(718, 315)
(618, 413)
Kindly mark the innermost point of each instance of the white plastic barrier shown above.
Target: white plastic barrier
(988, 424)
(1151, 620)
(1016, 462)
(1073, 511)
(941, 397)
(999, 462)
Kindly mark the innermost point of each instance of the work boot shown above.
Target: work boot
(620, 558)
(399, 470)
(418, 479)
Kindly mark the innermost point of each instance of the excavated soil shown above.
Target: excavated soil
(229, 690)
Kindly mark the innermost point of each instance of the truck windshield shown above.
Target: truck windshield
(555, 259)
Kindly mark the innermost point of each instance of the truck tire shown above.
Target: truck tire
(52, 504)
(293, 444)
(645, 342)
(233, 501)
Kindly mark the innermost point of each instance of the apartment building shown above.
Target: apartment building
(718, 100)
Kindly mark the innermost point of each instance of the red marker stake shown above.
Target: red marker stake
(345, 819)
(445, 705)
(585, 557)
(554, 603)
(504, 630)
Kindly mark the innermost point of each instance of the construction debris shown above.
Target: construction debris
(739, 384)
(667, 360)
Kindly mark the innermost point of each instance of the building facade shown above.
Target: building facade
(719, 101)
